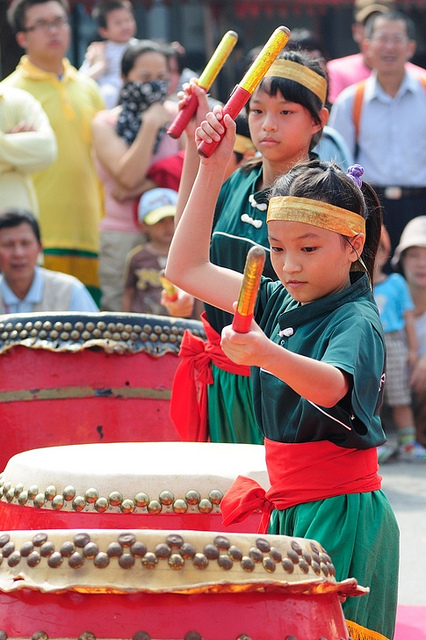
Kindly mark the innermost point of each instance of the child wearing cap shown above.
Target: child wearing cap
(396, 310)
(410, 259)
(142, 288)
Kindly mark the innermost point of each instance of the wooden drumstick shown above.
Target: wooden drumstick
(205, 81)
(249, 288)
(243, 91)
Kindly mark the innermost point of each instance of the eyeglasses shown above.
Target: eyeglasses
(383, 38)
(45, 26)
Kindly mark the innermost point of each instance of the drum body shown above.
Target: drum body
(73, 378)
(146, 485)
(158, 585)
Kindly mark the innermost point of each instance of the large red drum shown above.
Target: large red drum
(181, 585)
(78, 378)
(138, 485)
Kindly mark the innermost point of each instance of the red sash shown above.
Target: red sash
(188, 404)
(300, 473)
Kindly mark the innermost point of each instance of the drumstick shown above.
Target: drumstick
(249, 288)
(243, 91)
(168, 287)
(205, 81)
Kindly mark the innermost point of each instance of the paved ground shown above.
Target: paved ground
(405, 486)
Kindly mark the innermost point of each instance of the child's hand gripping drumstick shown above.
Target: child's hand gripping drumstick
(168, 287)
(205, 81)
(250, 81)
(249, 288)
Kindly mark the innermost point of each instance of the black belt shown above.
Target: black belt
(396, 193)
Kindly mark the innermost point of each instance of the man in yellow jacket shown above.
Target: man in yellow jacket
(68, 191)
(27, 144)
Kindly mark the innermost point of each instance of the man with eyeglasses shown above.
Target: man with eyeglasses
(383, 120)
(342, 72)
(68, 191)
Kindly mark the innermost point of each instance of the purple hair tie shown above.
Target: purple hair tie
(355, 172)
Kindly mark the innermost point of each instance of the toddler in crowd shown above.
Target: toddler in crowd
(396, 310)
(116, 25)
(143, 288)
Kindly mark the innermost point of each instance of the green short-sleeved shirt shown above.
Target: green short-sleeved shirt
(343, 330)
(238, 225)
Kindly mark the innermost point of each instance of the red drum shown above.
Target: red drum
(161, 585)
(138, 485)
(98, 377)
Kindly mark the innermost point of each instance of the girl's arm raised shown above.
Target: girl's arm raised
(188, 264)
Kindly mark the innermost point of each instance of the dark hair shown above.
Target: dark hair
(295, 92)
(176, 51)
(17, 11)
(104, 7)
(11, 217)
(391, 16)
(326, 182)
(133, 52)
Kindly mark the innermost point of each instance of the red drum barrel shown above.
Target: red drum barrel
(161, 585)
(78, 378)
(138, 485)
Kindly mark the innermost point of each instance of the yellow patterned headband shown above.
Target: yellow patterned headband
(243, 144)
(301, 74)
(319, 214)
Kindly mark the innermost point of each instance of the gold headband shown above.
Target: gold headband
(301, 74)
(319, 214)
(243, 144)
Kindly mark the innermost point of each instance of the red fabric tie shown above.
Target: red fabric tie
(300, 473)
(188, 403)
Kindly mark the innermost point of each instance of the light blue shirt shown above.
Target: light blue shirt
(392, 131)
(81, 300)
(393, 300)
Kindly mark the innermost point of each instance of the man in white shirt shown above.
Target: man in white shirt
(26, 287)
(383, 120)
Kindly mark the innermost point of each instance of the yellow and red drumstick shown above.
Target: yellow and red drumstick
(168, 287)
(243, 91)
(249, 288)
(205, 81)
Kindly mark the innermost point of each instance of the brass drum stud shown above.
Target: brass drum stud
(39, 539)
(215, 496)
(38, 324)
(85, 335)
(67, 326)
(176, 561)
(91, 495)
(115, 498)
(33, 559)
(101, 560)
(101, 325)
(23, 334)
(18, 489)
(46, 549)
(32, 491)
(200, 561)
(205, 506)
(180, 506)
(126, 561)
(67, 548)
(276, 555)
(78, 503)
(64, 335)
(79, 326)
(150, 560)
(76, 560)
(269, 565)
(54, 334)
(101, 505)
(81, 539)
(39, 500)
(126, 539)
(14, 559)
(47, 325)
(58, 502)
(28, 326)
(247, 564)
(69, 493)
(192, 497)
(127, 506)
(166, 498)
(75, 334)
(13, 335)
(26, 549)
(90, 550)
(154, 507)
(138, 549)
(19, 326)
(90, 326)
(50, 492)
(58, 326)
(116, 336)
(120, 326)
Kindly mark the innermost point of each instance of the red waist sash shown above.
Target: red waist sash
(300, 473)
(188, 403)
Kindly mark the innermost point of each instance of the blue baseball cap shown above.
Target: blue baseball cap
(156, 204)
